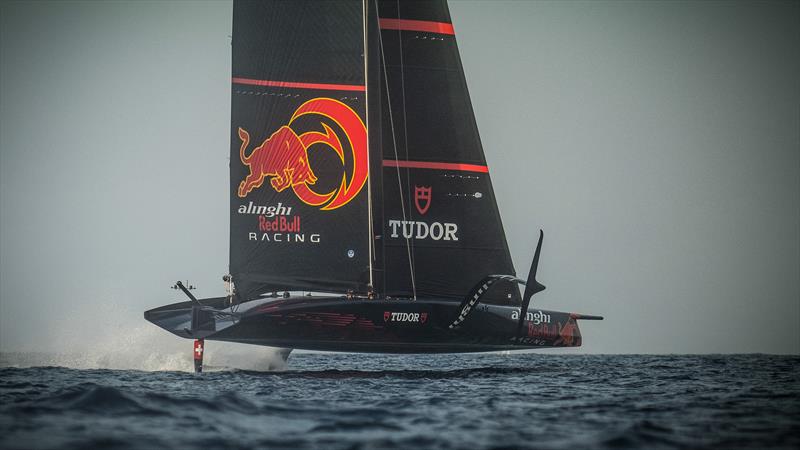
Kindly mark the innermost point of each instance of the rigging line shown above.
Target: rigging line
(405, 134)
(397, 168)
(371, 243)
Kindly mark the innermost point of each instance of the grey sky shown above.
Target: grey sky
(657, 144)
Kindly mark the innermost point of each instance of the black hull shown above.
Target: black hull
(363, 325)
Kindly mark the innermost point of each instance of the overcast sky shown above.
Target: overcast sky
(657, 144)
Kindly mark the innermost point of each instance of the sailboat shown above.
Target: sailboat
(362, 215)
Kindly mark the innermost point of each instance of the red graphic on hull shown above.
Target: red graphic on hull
(568, 335)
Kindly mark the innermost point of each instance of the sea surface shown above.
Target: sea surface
(359, 401)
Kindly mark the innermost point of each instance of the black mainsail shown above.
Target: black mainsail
(357, 169)
(299, 153)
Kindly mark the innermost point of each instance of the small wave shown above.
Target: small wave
(101, 399)
(460, 374)
(355, 425)
(642, 434)
(86, 398)
(224, 402)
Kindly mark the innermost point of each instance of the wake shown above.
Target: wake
(148, 348)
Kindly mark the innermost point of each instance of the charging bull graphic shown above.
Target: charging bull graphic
(284, 155)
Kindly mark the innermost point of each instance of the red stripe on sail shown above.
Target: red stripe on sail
(417, 25)
(294, 85)
(436, 165)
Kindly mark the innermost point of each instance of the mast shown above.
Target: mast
(371, 243)
(376, 110)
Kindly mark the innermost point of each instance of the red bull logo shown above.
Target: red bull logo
(283, 157)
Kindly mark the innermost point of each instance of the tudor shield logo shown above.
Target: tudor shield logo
(422, 198)
(283, 157)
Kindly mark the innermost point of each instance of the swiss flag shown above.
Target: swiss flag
(198, 349)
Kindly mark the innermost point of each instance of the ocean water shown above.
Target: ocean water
(355, 401)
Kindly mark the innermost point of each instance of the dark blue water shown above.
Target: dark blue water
(332, 401)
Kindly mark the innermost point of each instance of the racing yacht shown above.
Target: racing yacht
(362, 214)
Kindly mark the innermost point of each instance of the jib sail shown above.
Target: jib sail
(299, 154)
(441, 226)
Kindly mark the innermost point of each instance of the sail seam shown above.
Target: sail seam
(299, 85)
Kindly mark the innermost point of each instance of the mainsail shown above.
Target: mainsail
(299, 153)
(317, 203)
